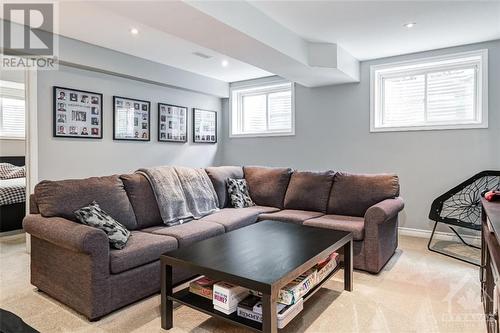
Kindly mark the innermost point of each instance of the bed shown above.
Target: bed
(12, 197)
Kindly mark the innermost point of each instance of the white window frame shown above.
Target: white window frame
(266, 86)
(378, 72)
(10, 137)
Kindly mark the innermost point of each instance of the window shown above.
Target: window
(263, 110)
(11, 110)
(447, 92)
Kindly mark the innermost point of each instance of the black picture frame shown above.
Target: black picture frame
(140, 109)
(213, 135)
(165, 132)
(62, 126)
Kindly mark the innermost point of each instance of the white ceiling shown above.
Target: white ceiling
(93, 22)
(262, 38)
(374, 29)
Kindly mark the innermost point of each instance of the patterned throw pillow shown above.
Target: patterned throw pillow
(10, 171)
(238, 193)
(94, 216)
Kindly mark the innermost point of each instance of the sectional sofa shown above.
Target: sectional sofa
(74, 264)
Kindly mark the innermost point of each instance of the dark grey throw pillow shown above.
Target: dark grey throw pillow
(238, 193)
(94, 216)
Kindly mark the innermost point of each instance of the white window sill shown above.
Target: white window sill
(12, 138)
(260, 135)
(429, 128)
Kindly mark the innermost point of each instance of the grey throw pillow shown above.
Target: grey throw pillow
(94, 216)
(238, 193)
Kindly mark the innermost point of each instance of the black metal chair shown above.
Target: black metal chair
(461, 207)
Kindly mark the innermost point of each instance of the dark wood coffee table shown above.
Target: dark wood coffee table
(264, 257)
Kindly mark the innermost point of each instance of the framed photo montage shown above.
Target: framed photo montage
(204, 126)
(77, 113)
(131, 119)
(172, 123)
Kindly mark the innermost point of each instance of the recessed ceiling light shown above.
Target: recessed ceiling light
(409, 25)
(134, 31)
(224, 63)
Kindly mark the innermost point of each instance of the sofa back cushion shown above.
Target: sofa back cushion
(62, 198)
(143, 200)
(267, 186)
(353, 194)
(219, 176)
(309, 190)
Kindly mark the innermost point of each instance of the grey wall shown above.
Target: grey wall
(332, 132)
(61, 158)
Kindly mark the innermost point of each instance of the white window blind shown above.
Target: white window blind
(262, 110)
(448, 92)
(12, 110)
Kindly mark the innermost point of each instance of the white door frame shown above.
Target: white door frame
(30, 86)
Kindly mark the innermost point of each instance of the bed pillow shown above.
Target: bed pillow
(10, 171)
(238, 193)
(94, 216)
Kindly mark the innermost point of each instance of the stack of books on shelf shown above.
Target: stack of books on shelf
(229, 298)
(203, 287)
(251, 308)
(226, 297)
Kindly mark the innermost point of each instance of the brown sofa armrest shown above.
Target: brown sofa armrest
(384, 210)
(70, 235)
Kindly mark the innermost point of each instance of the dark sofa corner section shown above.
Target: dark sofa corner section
(74, 264)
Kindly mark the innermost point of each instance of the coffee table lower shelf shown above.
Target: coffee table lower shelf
(205, 305)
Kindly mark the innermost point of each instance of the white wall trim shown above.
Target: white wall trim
(438, 235)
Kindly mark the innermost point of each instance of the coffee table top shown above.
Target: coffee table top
(259, 256)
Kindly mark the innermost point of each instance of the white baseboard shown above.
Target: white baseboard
(438, 235)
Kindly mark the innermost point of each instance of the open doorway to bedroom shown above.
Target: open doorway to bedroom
(13, 139)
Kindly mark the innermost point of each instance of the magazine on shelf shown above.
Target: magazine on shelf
(202, 287)
(326, 266)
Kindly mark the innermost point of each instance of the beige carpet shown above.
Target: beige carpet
(418, 291)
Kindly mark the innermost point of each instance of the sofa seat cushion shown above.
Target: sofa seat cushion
(61, 198)
(290, 215)
(263, 209)
(353, 224)
(189, 233)
(309, 190)
(142, 248)
(267, 186)
(218, 176)
(233, 218)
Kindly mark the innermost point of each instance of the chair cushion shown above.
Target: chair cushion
(309, 190)
(233, 218)
(353, 224)
(290, 215)
(142, 248)
(190, 232)
(353, 194)
(218, 176)
(143, 200)
(61, 198)
(267, 186)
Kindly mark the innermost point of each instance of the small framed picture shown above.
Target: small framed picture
(172, 123)
(77, 113)
(131, 119)
(204, 126)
